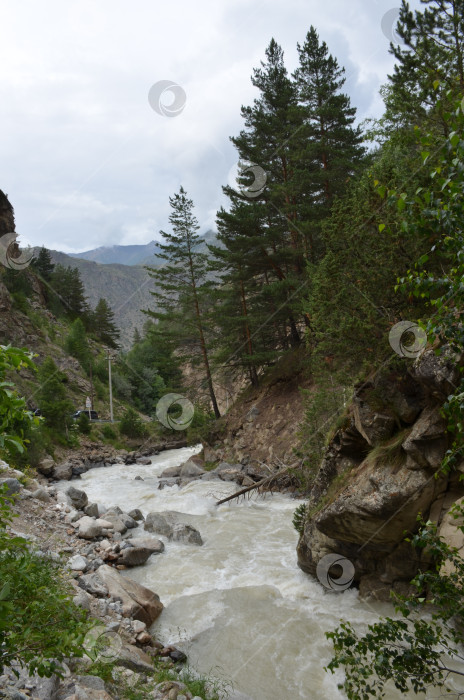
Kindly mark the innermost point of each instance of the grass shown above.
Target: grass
(390, 451)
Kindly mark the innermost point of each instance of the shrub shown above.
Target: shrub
(39, 625)
(131, 425)
(83, 424)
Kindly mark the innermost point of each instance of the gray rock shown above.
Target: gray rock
(134, 556)
(128, 521)
(144, 460)
(155, 546)
(42, 495)
(88, 528)
(171, 472)
(93, 584)
(63, 471)
(46, 466)
(78, 563)
(46, 688)
(77, 498)
(92, 510)
(135, 659)
(138, 626)
(114, 509)
(82, 600)
(136, 514)
(137, 601)
(12, 485)
(116, 521)
(139, 478)
(191, 469)
(186, 533)
(93, 682)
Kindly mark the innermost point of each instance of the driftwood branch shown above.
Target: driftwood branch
(267, 482)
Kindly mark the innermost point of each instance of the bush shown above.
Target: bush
(39, 625)
(131, 425)
(299, 517)
(83, 424)
(108, 432)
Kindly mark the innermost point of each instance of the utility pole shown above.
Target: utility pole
(110, 385)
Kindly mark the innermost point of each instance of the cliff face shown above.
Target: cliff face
(380, 470)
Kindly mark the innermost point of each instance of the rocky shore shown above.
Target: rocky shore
(95, 544)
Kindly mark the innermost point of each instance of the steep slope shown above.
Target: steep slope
(126, 289)
(379, 472)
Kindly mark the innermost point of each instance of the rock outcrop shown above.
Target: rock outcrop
(379, 472)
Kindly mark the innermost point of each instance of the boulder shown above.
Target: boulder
(63, 471)
(46, 466)
(92, 510)
(42, 495)
(189, 468)
(137, 601)
(76, 498)
(375, 427)
(116, 521)
(78, 563)
(171, 472)
(104, 524)
(427, 441)
(128, 521)
(12, 485)
(161, 523)
(144, 460)
(155, 546)
(88, 528)
(186, 534)
(93, 584)
(135, 659)
(134, 556)
(136, 514)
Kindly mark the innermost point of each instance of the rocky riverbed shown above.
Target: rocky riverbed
(95, 544)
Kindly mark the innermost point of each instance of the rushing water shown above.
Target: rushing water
(238, 606)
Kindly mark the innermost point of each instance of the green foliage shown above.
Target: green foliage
(413, 651)
(108, 432)
(299, 517)
(14, 417)
(83, 424)
(67, 294)
(77, 344)
(131, 424)
(182, 288)
(102, 324)
(39, 625)
(56, 408)
(43, 265)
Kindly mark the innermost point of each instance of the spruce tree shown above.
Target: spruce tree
(429, 69)
(43, 264)
(103, 325)
(182, 287)
(332, 149)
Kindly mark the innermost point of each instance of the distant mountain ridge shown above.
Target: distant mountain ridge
(130, 255)
(121, 254)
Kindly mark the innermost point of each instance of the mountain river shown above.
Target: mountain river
(238, 606)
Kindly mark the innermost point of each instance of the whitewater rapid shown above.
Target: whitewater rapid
(238, 606)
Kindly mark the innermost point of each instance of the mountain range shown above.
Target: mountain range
(117, 273)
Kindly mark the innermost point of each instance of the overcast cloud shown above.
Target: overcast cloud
(84, 158)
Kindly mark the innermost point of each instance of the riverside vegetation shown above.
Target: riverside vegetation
(341, 244)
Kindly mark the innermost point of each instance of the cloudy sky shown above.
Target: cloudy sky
(85, 159)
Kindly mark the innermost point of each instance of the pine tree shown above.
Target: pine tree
(182, 285)
(429, 69)
(43, 264)
(56, 409)
(77, 344)
(332, 150)
(102, 321)
(69, 294)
